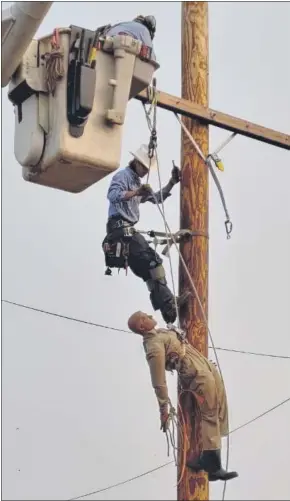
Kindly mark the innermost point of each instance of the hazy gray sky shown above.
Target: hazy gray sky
(81, 396)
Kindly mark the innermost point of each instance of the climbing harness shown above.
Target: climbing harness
(207, 160)
(116, 250)
(181, 236)
(162, 238)
(181, 334)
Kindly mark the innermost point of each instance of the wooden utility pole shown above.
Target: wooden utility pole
(194, 216)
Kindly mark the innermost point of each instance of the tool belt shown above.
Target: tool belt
(116, 245)
(116, 255)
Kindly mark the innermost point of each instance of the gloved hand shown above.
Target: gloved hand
(164, 421)
(175, 175)
(144, 190)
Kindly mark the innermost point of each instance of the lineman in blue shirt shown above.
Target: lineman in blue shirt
(125, 195)
(141, 28)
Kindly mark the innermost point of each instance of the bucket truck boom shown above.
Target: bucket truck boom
(19, 24)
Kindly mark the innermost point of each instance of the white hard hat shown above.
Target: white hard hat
(142, 156)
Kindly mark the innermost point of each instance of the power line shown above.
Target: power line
(260, 415)
(102, 326)
(124, 481)
(269, 355)
(58, 315)
(170, 462)
(126, 331)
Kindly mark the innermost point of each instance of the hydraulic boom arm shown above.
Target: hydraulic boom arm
(19, 24)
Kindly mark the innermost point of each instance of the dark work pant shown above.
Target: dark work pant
(142, 258)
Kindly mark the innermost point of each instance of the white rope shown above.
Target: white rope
(204, 318)
(163, 211)
(168, 232)
(224, 143)
(168, 242)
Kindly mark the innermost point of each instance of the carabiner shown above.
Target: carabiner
(229, 228)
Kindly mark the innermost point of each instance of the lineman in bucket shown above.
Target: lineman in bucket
(141, 28)
(124, 246)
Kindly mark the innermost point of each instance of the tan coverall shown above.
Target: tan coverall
(197, 374)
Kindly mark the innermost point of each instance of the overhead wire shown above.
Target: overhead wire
(123, 482)
(65, 317)
(103, 326)
(244, 425)
(73, 319)
(261, 415)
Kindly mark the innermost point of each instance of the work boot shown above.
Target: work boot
(221, 474)
(181, 300)
(168, 310)
(210, 461)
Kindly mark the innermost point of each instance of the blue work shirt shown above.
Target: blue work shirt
(136, 30)
(127, 180)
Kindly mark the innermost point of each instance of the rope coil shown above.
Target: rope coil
(54, 63)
